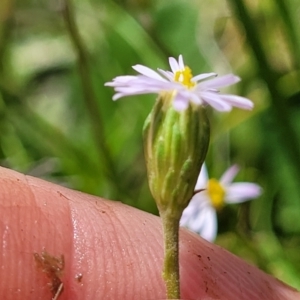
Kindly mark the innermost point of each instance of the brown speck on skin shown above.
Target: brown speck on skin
(53, 267)
(62, 195)
(78, 277)
(206, 287)
(208, 258)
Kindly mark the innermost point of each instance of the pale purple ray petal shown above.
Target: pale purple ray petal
(194, 216)
(146, 81)
(189, 95)
(192, 211)
(195, 99)
(203, 76)
(238, 101)
(197, 222)
(147, 72)
(180, 102)
(210, 227)
(174, 64)
(169, 75)
(219, 82)
(215, 101)
(141, 82)
(229, 175)
(202, 178)
(204, 90)
(119, 95)
(125, 94)
(180, 62)
(242, 191)
(136, 90)
(120, 80)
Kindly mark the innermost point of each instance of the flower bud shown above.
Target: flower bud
(175, 145)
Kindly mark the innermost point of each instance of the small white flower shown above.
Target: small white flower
(200, 89)
(201, 214)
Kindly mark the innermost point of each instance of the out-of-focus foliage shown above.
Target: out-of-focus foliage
(58, 121)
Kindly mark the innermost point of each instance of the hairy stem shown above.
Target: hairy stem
(171, 255)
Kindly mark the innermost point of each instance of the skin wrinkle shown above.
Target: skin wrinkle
(236, 287)
(128, 254)
(134, 252)
(121, 243)
(158, 259)
(4, 230)
(244, 281)
(77, 259)
(10, 243)
(121, 226)
(253, 287)
(153, 257)
(83, 254)
(204, 258)
(190, 276)
(109, 259)
(55, 206)
(211, 262)
(76, 290)
(211, 286)
(144, 266)
(16, 239)
(85, 257)
(59, 235)
(112, 268)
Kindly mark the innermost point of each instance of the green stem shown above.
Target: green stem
(6, 27)
(171, 254)
(291, 31)
(88, 90)
(279, 107)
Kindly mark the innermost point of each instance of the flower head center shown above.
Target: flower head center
(184, 76)
(216, 193)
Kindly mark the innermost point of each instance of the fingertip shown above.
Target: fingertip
(111, 250)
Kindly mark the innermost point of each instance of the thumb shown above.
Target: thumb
(54, 237)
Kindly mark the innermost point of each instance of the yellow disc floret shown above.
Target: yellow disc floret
(216, 193)
(184, 77)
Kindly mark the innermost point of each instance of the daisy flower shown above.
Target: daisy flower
(200, 89)
(201, 214)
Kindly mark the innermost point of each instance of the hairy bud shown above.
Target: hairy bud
(175, 144)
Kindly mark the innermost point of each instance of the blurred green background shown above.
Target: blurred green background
(58, 121)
